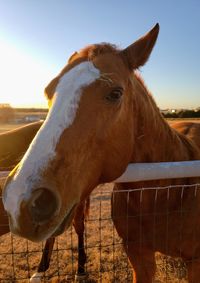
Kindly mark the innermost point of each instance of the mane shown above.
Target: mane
(142, 82)
(151, 112)
(94, 50)
(145, 92)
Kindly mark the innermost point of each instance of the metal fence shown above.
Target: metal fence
(106, 259)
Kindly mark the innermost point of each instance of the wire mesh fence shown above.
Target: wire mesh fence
(106, 259)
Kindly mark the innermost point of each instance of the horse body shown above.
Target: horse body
(105, 118)
(189, 129)
(164, 221)
(13, 144)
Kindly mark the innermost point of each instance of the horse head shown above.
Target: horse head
(86, 139)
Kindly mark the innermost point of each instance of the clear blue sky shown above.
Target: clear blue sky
(38, 36)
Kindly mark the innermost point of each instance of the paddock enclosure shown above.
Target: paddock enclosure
(106, 259)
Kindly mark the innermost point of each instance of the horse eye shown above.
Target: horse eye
(114, 95)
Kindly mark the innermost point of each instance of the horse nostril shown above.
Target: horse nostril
(43, 205)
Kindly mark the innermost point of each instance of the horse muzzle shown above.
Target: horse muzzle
(41, 216)
(38, 216)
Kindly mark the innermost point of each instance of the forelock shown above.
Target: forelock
(94, 50)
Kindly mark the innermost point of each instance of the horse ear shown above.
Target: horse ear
(138, 53)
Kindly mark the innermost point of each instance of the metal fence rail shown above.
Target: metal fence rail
(160, 170)
(154, 171)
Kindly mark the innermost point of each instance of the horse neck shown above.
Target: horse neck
(155, 140)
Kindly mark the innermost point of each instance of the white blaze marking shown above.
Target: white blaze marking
(42, 149)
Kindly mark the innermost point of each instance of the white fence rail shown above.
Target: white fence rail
(163, 170)
(155, 171)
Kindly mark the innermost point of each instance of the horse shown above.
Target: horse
(13, 145)
(102, 117)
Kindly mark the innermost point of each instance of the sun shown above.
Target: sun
(22, 78)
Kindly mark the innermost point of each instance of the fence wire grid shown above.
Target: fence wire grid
(106, 259)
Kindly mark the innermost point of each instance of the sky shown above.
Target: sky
(37, 37)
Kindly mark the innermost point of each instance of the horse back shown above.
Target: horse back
(189, 129)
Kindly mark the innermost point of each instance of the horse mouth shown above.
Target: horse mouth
(36, 231)
(66, 222)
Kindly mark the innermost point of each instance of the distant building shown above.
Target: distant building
(164, 111)
(32, 118)
(6, 113)
(5, 105)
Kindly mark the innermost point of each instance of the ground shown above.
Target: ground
(10, 126)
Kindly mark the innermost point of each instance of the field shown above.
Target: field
(22, 117)
(9, 126)
(106, 260)
(4, 127)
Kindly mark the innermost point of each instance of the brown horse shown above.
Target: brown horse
(102, 117)
(13, 145)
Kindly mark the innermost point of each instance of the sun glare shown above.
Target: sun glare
(22, 78)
